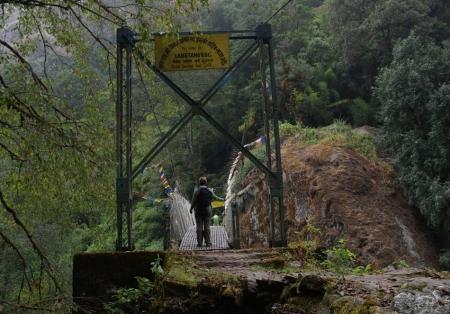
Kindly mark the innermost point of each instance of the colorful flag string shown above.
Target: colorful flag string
(259, 141)
(164, 181)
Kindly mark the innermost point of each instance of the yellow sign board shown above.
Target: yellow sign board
(192, 52)
(217, 204)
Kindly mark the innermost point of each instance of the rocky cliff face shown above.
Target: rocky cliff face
(344, 194)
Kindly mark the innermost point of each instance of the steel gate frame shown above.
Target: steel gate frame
(126, 173)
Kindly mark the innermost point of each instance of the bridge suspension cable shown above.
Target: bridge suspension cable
(278, 11)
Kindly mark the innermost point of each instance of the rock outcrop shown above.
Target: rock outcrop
(344, 194)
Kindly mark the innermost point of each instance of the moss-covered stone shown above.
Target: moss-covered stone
(351, 305)
(312, 285)
(289, 291)
(174, 288)
(307, 304)
(414, 286)
(233, 293)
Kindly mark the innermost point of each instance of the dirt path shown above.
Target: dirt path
(408, 290)
(269, 264)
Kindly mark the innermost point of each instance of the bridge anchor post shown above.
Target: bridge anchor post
(126, 39)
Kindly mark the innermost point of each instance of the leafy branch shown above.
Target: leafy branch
(47, 266)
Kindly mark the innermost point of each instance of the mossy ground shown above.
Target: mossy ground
(184, 270)
(352, 305)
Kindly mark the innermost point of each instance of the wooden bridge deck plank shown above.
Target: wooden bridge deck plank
(219, 240)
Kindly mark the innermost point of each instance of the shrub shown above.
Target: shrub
(308, 249)
(340, 259)
(362, 270)
(148, 226)
(288, 130)
(360, 112)
(136, 300)
(399, 264)
(444, 259)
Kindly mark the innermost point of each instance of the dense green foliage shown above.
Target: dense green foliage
(57, 141)
(414, 92)
(57, 115)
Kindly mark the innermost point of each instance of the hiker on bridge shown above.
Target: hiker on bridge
(201, 201)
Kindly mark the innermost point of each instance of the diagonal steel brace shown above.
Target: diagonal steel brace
(197, 107)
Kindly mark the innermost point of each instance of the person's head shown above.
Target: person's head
(202, 181)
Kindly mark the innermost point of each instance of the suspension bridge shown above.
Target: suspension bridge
(197, 51)
(95, 273)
